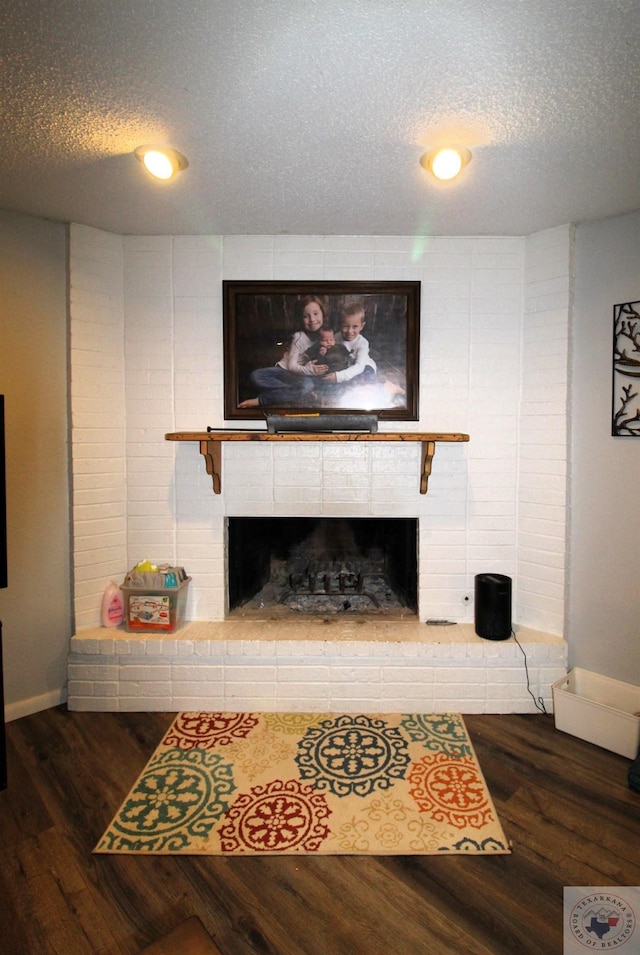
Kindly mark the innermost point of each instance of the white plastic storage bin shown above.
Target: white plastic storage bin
(599, 710)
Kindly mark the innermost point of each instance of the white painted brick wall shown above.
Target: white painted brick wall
(146, 340)
(98, 415)
(543, 430)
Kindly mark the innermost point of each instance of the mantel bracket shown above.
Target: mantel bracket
(428, 451)
(212, 452)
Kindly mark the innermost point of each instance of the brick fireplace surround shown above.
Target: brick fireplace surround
(315, 663)
(146, 360)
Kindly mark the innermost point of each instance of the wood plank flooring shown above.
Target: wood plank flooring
(564, 804)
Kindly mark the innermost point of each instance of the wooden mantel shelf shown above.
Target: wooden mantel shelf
(211, 444)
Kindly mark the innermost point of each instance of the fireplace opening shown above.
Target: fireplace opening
(317, 565)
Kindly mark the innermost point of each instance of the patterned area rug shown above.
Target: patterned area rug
(267, 783)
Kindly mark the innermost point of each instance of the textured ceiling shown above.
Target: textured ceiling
(309, 116)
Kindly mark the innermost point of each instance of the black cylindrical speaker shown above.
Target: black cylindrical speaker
(493, 606)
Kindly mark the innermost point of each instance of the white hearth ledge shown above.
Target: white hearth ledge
(313, 664)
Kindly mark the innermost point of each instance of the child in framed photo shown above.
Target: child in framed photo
(290, 381)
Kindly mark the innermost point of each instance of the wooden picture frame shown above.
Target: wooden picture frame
(275, 362)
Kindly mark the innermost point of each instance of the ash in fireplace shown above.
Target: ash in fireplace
(325, 589)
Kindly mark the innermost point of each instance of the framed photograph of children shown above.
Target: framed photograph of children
(327, 347)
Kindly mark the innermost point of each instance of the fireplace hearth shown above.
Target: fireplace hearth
(322, 566)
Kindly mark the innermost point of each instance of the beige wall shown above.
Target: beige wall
(35, 609)
(603, 623)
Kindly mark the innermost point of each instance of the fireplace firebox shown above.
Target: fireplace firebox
(320, 565)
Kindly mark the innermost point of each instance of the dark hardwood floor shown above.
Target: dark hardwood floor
(564, 804)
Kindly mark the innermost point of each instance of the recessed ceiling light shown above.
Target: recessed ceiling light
(445, 162)
(162, 162)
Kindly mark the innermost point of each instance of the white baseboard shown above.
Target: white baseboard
(14, 711)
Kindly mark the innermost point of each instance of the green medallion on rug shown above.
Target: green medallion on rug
(270, 783)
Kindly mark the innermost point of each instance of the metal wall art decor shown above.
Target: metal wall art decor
(321, 348)
(626, 370)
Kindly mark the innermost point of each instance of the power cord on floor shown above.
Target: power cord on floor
(539, 702)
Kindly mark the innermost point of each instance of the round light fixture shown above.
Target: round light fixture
(446, 162)
(161, 162)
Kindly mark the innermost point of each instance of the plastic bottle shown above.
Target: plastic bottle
(112, 613)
